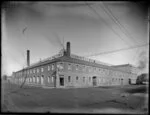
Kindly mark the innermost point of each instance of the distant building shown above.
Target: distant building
(131, 69)
(68, 70)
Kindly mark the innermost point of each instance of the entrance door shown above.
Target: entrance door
(61, 79)
(94, 81)
(129, 81)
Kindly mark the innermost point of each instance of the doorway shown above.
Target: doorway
(61, 79)
(129, 81)
(94, 80)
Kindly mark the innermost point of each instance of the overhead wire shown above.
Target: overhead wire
(117, 22)
(121, 26)
(110, 27)
(118, 50)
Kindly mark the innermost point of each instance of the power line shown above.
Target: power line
(121, 26)
(106, 23)
(115, 19)
(136, 53)
(113, 51)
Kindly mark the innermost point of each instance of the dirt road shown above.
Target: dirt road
(127, 99)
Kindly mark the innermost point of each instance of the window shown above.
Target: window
(42, 69)
(42, 79)
(34, 79)
(27, 80)
(89, 78)
(30, 79)
(60, 66)
(77, 67)
(112, 79)
(34, 71)
(37, 70)
(77, 78)
(52, 66)
(37, 79)
(90, 69)
(83, 68)
(48, 67)
(69, 78)
(52, 78)
(30, 71)
(69, 66)
(87, 68)
(48, 79)
(83, 79)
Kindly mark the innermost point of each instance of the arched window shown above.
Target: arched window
(48, 79)
(89, 79)
(69, 66)
(37, 70)
(112, 79)
(34, 79)
(48, 67)
(52, 66)
(42, 79)
(38, 79)
(83, 79)
(77, 78)
(31, 79)
(42, 69)
(77, 67)
(52, 78)
(69, 78)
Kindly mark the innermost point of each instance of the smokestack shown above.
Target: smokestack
(28, 58)
(68, 48)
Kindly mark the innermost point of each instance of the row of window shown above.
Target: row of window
(77, 78)
(60, 66)
(37, 79)
(37, 70)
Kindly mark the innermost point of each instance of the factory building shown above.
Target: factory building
(131, 69)
(67, 70)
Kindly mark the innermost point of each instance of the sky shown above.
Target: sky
(42, 27)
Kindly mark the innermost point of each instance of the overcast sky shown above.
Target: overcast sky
(38, 25)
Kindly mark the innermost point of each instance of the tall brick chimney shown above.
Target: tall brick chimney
(68, 48)
(28, 58)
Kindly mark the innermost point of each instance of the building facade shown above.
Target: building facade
(67, 70)
(131, 69)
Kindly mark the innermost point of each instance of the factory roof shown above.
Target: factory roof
(69, 59)
(123, 65)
